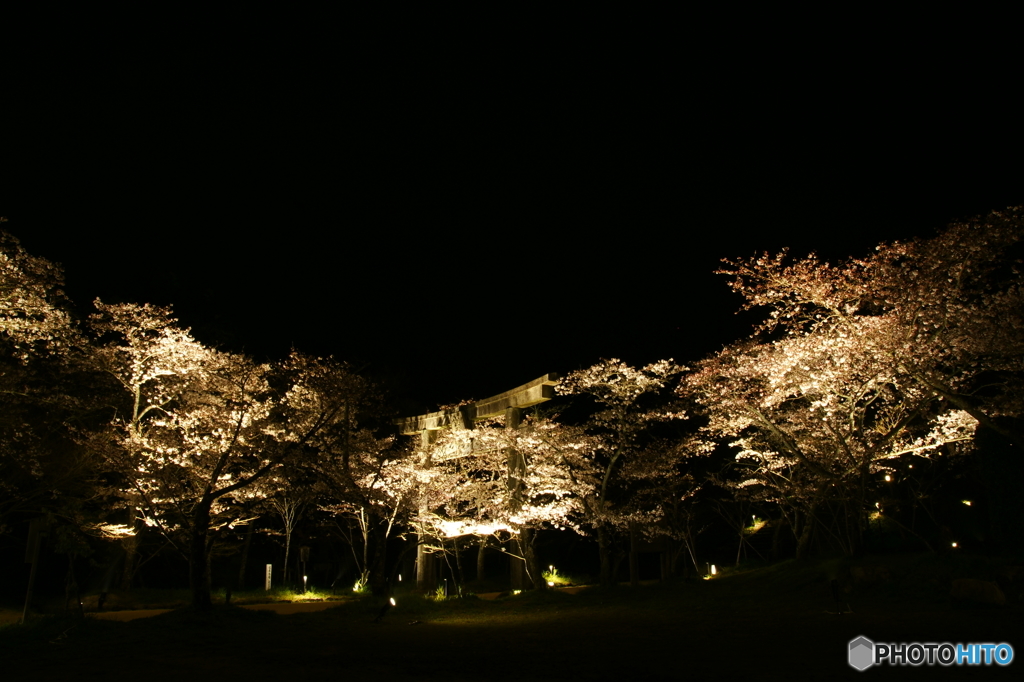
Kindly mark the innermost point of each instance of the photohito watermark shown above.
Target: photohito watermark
(863, 653)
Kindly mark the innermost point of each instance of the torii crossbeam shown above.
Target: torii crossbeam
(535, 392)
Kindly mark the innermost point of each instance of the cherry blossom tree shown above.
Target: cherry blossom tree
(814, 423)
(369, 494)
(491, 480)
(33, 310)
(364, 477)
(946, 312)
(197, 427)
(46, 396)
(628, 402)
(865, 362)
(31, 318)
(284, 495)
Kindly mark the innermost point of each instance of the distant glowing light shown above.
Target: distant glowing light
(392, 600)
(954, 544)
(967, 502)
(550, 584)
(888, 477)
(714, 571)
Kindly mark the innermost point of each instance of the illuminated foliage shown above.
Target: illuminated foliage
(365, 479)
(45, 396)
(946, 313)
(812, 425)
(506, 482)
(198, 428)
(193, 428)
(492, 479)
(628, 402)
(33, 316)
(863, 363)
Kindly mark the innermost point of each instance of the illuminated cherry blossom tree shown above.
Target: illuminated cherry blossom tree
(946, 313)
(814, 422)
(365, 478)
(862, 363)
(45, 394)
(33, 309)
(628, 402)
(493, 480)
(198, 427)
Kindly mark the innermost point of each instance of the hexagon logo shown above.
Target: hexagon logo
(862, 653)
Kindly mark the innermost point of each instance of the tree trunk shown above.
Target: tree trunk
(533, 569)
(804, 543)
(245, 556)
(458, 566)
(480, 559)
(131, 552)
(199, 557)
(634, 558)
(426, 570)
(516, 568)
(691, 548)
(287, 551)
(377, 568)
(71, 590)
(605, 551)
(775, 540)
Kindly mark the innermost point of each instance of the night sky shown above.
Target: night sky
(460, 223)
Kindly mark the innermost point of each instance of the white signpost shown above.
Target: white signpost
(269, 568)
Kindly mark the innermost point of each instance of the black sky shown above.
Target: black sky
(466, 222)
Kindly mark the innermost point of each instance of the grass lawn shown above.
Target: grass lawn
(772, 623)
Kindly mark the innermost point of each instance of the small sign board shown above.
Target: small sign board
(269, 569)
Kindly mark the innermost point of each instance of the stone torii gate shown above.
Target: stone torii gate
(509, 404)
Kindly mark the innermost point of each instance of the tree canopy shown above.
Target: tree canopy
(125, 425)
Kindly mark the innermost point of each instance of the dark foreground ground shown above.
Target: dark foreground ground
(777, 623)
